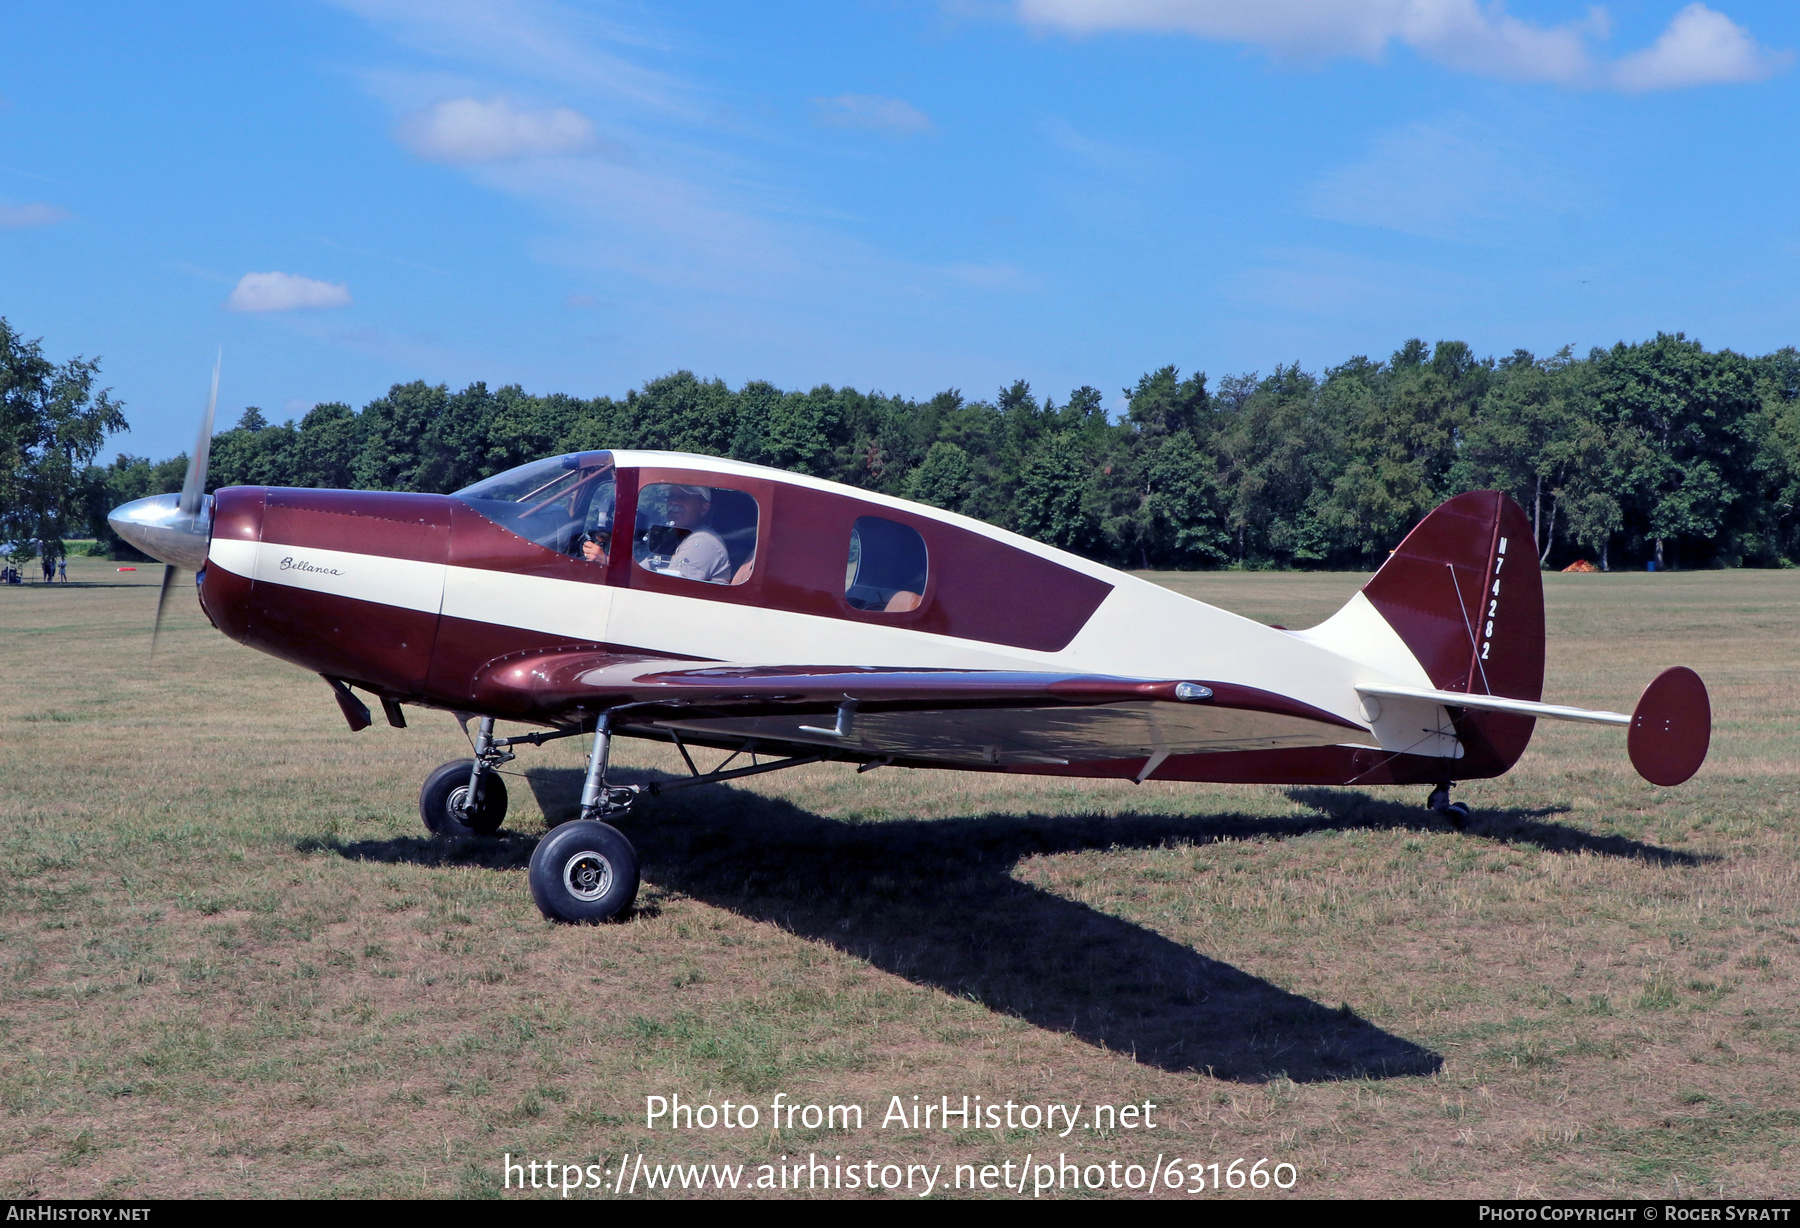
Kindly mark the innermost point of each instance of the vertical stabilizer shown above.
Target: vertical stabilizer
(1464, 593)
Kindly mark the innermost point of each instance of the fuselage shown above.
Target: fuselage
(416, 597)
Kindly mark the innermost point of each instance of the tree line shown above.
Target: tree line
(1657, 450)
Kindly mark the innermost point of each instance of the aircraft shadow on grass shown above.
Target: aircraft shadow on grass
(934, 901)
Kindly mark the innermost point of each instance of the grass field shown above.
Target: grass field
(232, 964)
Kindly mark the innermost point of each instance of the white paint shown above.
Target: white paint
(1359, 632)
(405, 583)
(1497, 703)
(532, 603)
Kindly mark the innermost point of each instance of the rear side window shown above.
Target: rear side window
(887, 567)
(704, 533)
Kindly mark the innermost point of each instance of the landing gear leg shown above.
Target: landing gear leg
(587, 871)
(1456, 813)
(467, 797)
(599, 799)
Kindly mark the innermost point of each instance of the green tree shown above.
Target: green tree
(52, 424)
(1055, 502)
(1695, 418)
(1402, 442)
(942, 479)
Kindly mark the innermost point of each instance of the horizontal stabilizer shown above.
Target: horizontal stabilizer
(1671, 727)
(1498, 703)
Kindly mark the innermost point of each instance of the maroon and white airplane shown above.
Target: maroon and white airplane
(706, 603)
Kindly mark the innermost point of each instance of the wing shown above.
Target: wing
(921, 717)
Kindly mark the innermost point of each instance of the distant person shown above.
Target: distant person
(49, 569)
(62, 570)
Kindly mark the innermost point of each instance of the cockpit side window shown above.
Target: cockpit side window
(564, 504)
(705, 533)
(887, 567)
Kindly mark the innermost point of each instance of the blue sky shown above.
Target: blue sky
(906, 195)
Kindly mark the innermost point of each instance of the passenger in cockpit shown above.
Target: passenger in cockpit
(702, 554)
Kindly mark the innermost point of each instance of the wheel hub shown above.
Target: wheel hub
(588, 875)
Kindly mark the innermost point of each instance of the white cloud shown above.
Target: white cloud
(891, 115)
(258, 292)
(470, 130)
(1700, 47)
(19, 217)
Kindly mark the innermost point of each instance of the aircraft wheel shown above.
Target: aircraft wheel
(583, 871)
(1457, 813)
(441, 799)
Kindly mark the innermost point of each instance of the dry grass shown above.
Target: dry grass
(230, 962)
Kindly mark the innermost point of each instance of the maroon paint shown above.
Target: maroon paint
(467, 651)
(1671, 728)
(545, 684)
(386, 646)
(238, 513)
(381, 523)
(225, 596)
(976, 588)
(1436, 591)
(381, 647)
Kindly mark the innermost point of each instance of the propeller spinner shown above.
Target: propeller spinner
(174, 529)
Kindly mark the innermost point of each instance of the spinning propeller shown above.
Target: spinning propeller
(174, 529)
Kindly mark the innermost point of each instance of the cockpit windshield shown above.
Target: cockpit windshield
(564, 504)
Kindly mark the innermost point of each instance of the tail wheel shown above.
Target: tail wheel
(443, 801)
(583, 871)
(1454, 813)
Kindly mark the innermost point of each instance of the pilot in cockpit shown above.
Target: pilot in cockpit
(596, 542)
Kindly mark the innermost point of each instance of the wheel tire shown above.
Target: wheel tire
(446, 787)
(1458, 813)
(583, 872)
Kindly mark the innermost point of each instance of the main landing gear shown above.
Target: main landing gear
(584, 870)
(1439, 803)
(587, 870)
(581, 871)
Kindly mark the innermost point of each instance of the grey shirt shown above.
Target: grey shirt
(702, 556)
